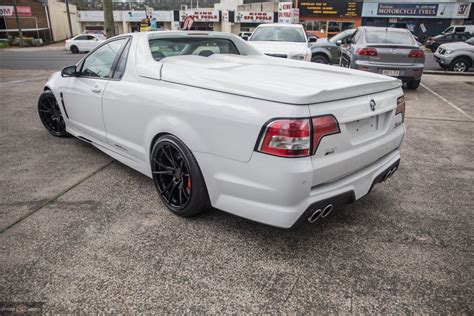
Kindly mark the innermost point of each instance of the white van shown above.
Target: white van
(459, 29)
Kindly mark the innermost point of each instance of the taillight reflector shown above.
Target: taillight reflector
(323, 126)
(296, 137)
(416, 53)
(366, 51)
(401, 107)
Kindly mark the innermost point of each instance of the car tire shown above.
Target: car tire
(320, 59)
(50, 115)
(74, 49)
(178, 178)
(413, 84)
(459, 65)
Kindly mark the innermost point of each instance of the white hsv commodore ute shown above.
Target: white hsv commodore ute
(282, 40)
(216, 123)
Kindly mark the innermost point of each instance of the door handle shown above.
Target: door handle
(96, 89)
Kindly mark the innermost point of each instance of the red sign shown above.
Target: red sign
(8, 10)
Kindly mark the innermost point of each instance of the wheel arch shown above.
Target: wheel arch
(175, 126)
(465, 57)
(323, 52)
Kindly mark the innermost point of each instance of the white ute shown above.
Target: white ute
(216, 123)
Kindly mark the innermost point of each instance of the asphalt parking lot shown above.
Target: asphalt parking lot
(81, 232)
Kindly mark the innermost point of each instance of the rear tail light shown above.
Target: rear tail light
(416, 53)
(366, 51)
(296, 137)
(323, 126)
(401, 107)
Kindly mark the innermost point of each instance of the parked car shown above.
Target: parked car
(326, 51)
(434, 42)
(83, 43)
(459, 29)
(387, 51)
(282, 40)
(276, 141)
(457, 56)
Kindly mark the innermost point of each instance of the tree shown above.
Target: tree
(109, 18)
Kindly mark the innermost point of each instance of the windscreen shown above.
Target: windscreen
(204, 46)
(278, 34)
(389, 37)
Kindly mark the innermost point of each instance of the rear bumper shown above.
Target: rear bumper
(406, 72)
(277, 191)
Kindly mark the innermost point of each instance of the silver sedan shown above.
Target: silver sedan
(387, 51)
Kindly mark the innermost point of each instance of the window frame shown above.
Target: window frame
(80, 64)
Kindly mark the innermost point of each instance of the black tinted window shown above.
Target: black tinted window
(389, 37)
(81, 38)
(122, 62)
(167, 47)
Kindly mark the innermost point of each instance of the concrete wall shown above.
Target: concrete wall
(59, 22)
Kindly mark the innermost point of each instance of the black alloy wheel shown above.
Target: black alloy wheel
(50, 115)
(74, 49)
(177, 177)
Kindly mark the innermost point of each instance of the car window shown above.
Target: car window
(99, 63)
(278, 34)
(448, 30)
(122, 62)
(168, 47)
(341, 36)
(91, 38)
(81, 38)
(460, 29)
(389, 37)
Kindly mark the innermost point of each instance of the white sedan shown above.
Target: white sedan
(84, 43)
(216, 123)
(282, 40)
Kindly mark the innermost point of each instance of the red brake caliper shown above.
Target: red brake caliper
(189, 183)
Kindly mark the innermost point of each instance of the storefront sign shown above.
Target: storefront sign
(287, 14)
(200, 16)
(407, 9)
(341, 8)
(461, 10)
(7, 10)
(253, 17)
(137, 16)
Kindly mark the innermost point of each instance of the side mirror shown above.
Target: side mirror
(69, 71)
(313, 39)
(338, 42)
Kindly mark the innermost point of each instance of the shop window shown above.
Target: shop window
(347, 26)
(315, 25)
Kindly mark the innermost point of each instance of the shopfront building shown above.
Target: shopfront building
(424, 19)
(326, 18)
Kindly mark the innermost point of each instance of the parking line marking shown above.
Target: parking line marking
(447, 102)
(57, 196)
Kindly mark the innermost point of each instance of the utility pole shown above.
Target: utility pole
(69, 19)
(18, 24)
(109, 18)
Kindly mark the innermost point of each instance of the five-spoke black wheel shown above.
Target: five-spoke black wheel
(177, 177)
(50, 114)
